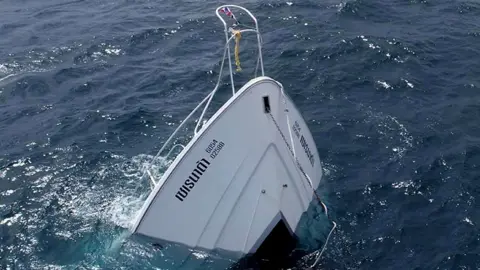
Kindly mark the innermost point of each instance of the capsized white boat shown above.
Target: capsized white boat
(251, 167)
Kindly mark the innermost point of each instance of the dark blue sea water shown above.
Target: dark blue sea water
(390, 89)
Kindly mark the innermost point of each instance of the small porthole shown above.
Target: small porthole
(266, 104)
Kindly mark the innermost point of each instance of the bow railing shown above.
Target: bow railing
(231, 33)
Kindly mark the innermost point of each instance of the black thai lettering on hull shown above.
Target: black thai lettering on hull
(189, 184)
(297, 130)
(304, 144)
(201, 167)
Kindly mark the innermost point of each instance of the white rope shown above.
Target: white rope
(317, 260)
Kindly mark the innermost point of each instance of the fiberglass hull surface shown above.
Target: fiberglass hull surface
(237, 177)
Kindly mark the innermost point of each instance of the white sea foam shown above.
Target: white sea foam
(113, 51)
(3, 68)
(403, 184)
(11, 220)
(384, 84)
(409, 84)
(117, 204)
(395, 134)
(7, 192)
(467, 220)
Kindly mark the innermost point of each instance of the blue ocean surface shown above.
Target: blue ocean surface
(90, 89)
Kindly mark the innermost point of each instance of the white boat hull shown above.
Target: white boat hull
(237, 178)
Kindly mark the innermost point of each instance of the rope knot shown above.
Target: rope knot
(238, 36)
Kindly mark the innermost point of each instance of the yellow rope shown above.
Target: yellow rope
(238, 36)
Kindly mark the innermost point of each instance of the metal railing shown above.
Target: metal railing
(229, 36)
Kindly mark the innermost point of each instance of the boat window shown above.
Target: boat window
(266, 104)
